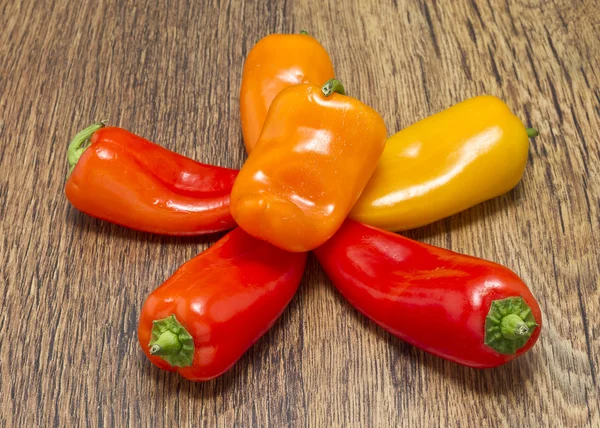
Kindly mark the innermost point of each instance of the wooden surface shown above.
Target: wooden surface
(72, 287)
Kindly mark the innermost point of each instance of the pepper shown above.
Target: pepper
(276, 62)
(125, 179)
(444, 164)
(204, 317)
(316, 152)
(461, 308)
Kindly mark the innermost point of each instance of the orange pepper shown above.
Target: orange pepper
(315, 154)
(274, 63)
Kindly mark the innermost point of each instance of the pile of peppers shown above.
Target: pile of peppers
(321, 176)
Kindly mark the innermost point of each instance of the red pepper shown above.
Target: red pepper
(461, 308)
(125, 179)
(203, 318)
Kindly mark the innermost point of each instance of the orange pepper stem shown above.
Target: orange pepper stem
(331, 86)
(80, 143)
(304, 32)
(532, 132)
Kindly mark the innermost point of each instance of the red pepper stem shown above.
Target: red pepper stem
(532, 132)
(509, 325)
(80, 143)
(172, 342)
(167, 343)
(331, 86)
(513, 327)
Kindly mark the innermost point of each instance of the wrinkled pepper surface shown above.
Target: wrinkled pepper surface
(461, 308)
(206, 316)
(444, 164)
(274, 63)
(125, 179)
(316, 152)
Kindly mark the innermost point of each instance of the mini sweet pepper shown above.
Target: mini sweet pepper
(274, 63)
(205, 317)
(444, 164)
(315, 154)
(123, 178)
(467, 310)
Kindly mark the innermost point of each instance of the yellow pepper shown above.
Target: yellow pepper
(444, 164)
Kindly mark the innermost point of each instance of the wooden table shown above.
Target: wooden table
(72, 286)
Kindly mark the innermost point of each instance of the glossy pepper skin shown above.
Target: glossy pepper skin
(125, 179)
(445, 303)
(444, 164)
(313, 159)
(204, 318)
(276, 62)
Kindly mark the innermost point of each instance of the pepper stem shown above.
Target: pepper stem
(172, 342)
(532, 132)
(509, 325)
(304, 32)
(80, 143)
(167, 343)
(513, 327)
(331, 86)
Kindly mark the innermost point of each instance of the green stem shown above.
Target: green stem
(80, 143)
(304, 32)
(172, 342)
(509, 325)
(331, 86)
(532, 132)
(513, 327)
(167, 343)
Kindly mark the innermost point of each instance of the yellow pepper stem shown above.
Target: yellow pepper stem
(532, 132)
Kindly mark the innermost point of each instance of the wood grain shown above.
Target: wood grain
(72, 287)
